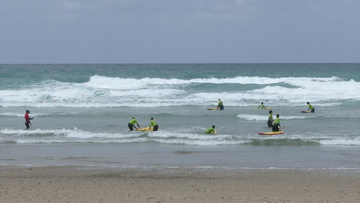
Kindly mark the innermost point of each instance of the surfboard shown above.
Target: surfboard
(305, 112)
(215, 132)
(267, 108)
(212, 109)
(272, 133)
(144, 129)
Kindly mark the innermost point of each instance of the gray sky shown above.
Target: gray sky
(179, 31)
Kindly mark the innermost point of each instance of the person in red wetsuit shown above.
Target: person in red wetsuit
(27, 119)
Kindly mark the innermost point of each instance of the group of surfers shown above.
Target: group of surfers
(274, 124)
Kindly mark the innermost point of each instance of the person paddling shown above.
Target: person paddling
(210, 130)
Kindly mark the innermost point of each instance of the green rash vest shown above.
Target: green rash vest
(262, 107)
(210, 130)
(133, 121)
(277, 121)
(220, 103)
(271, 117)
(310, 107)
(153, 123)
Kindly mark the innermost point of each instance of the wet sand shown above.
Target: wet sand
(93, 184)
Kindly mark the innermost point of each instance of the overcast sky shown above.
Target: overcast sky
(179, 31)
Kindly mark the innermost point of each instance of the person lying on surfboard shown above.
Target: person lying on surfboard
(262, 106)
(276, 127)
(210, 130)
(310, 108)
(220, 105)
(154, 124)
(131, 124)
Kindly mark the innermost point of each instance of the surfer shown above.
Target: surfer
(210, 130)
(27, 120)
(276, 126)
(270, 120)
(310, 108)
(220, 105)
(154, 124)
(262, 106)
(131, 124)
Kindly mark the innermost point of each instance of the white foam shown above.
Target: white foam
(254, 117)
(101, 91)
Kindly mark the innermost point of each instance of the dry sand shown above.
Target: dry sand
(89, 184)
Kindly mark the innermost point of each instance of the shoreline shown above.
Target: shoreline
(100, 184)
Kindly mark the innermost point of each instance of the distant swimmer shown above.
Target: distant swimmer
(276, 126)
(210, 130)
(270, 119)
(220, 105)
(27, 120)
(154, 124)
(262, 106)
(310, 108)
(131, 124)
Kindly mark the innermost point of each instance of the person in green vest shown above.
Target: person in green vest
(131, 124)
(220, 105)
(210, 130)
(276, 126)
(310, 108)
(154, 124)
(262, 106)
(270, 119)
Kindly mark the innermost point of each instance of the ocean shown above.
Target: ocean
(81, 112)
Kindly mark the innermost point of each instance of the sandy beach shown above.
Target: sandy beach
(90, 184)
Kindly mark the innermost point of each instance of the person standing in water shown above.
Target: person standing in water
(276, 127)
(220, 105)
(210, 130)
(27, 120)
(154, 124)
(131, 124)
(310, 107)
(270, 120)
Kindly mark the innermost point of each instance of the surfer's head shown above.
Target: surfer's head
(151, 118)
(27, 111)
(213, 126)
(270, 111)
(277, 115)
(307, 102)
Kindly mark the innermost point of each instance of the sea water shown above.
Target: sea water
(81, 112)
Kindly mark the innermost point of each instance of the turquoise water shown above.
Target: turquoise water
(82, 108)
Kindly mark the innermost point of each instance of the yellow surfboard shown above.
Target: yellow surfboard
(267, 108)
(145, 129)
